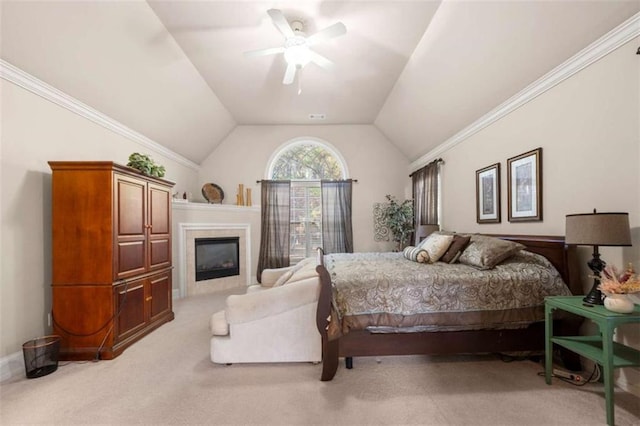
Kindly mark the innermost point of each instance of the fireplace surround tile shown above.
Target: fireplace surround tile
(188, 233)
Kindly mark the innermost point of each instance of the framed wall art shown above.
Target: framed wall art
(524, 178)
(488, 194)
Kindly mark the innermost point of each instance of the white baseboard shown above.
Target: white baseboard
(175, 293)
(11, 366)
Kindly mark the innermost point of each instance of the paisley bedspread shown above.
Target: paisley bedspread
(385, 292)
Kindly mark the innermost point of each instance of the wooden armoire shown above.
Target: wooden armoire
(111, 257)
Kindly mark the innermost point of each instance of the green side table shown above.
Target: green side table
(599, 348)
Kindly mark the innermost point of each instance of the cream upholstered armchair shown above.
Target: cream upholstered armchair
(272, 322)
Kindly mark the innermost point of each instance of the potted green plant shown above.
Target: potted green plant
(398, 217)
(146, 165)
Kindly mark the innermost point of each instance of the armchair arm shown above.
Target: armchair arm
(254, 306)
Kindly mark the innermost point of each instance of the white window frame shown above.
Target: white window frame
(306, 140)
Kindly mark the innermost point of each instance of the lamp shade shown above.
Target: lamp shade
(598, 229)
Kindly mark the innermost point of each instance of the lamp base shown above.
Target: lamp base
(596, 265)
(593, 298)
(595, 295)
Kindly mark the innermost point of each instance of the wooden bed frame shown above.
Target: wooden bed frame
(364, 343)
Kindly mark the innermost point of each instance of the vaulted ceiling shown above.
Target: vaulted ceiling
(420, 71)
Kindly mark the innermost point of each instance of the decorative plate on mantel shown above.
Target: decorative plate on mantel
(212, 193)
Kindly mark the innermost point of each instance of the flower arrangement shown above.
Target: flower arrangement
(613, 282)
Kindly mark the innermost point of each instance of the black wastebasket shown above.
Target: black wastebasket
(41, 356)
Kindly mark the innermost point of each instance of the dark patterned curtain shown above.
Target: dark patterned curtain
(337, 234)
(425, 194)
(275, 225)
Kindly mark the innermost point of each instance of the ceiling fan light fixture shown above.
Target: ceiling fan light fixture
(297, 46)
(299, 55)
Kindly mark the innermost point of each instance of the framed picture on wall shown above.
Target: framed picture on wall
(488, 194)
(524, 178)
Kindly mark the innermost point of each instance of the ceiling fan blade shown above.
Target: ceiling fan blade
(263, 52)
(280, 22)
(289, 74)
(335, 30)
(321, 60)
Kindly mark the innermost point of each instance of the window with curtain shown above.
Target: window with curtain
(337, 235)
(320, 198)
(274, 225)
(425, 183)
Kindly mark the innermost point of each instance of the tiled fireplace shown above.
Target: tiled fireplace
(188, 233)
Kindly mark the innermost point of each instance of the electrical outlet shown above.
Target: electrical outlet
(49, 319)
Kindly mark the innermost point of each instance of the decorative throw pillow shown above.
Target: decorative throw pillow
(307, 271)
(436, 245)
(282, 279)
(484, 252)
(286, 277)
(416, 254)
(458, 244)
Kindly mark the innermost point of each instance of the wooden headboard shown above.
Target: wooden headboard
(561, 255)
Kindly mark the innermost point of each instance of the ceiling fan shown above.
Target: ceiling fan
(297, 45)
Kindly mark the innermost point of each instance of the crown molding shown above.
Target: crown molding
(606, 44)
(25, 80)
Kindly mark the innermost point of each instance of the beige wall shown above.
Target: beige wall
(589, 129)
(380, 168)
(35, 131)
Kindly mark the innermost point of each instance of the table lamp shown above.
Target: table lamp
(597, 229)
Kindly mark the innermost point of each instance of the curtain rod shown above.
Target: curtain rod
(318, 180)
(436, 161)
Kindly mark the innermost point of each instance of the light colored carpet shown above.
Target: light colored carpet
(167, 378)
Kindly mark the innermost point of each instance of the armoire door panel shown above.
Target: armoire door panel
(131, 258)
(130, 301)
(131, 206)
(160, 252)
(160, 286)
(159, 205)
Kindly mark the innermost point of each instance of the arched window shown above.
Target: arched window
(305, 162)
(307, 159)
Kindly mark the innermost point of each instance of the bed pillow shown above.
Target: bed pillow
(416, 254)
(436, 245)
(456, 248)
(484, 252)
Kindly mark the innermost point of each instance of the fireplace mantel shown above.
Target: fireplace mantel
(187, 205)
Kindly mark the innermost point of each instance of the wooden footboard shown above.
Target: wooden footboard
(364, 343)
